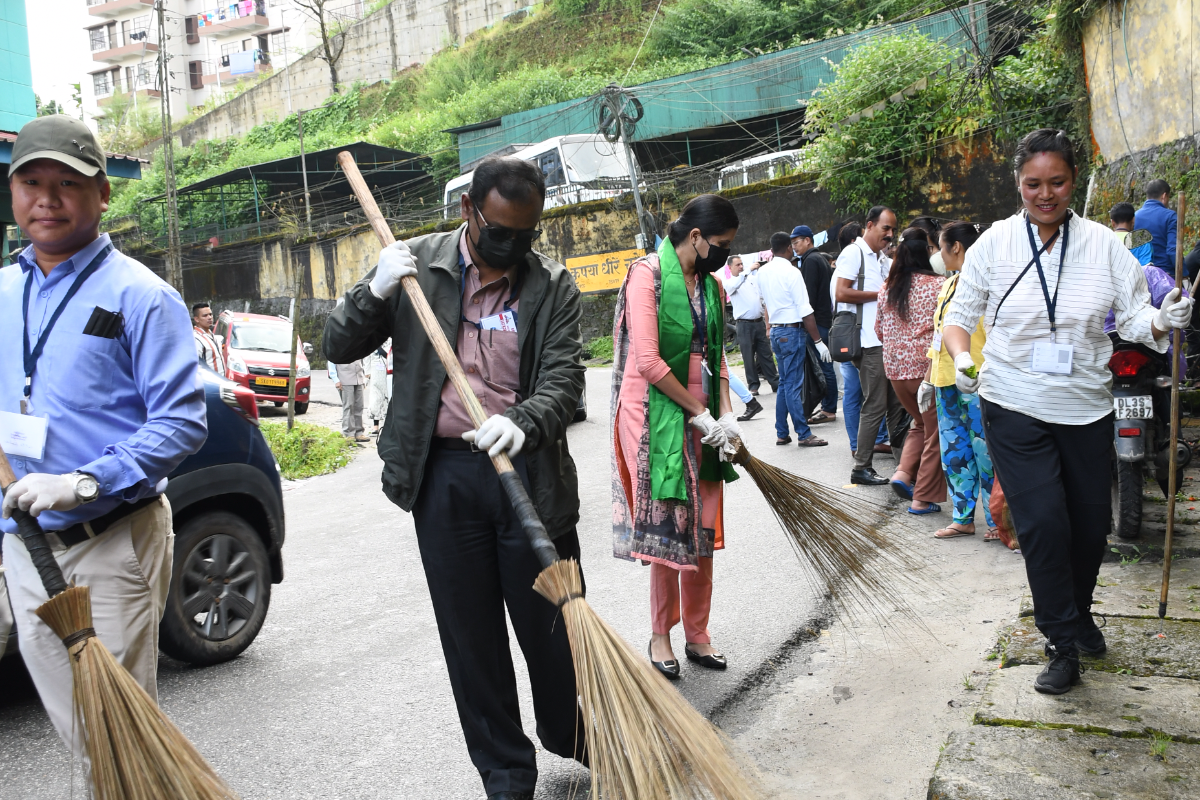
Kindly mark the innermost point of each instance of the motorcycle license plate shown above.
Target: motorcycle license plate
(271, 381)
(1140, 407)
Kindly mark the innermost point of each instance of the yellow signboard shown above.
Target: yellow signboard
(602, 271)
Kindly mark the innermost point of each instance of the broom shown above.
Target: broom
(838, 541)
(136, 753)
(644, 741)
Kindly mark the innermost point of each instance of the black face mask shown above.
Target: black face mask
(716, 258)
(501, 253)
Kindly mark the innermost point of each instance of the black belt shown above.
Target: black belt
(77, 533)
(447, 443)
(786, 325)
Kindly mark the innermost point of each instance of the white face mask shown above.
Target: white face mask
(939, 265)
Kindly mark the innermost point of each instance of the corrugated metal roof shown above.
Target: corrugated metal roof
(741, 90)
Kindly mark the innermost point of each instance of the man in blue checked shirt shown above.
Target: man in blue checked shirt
(99, 402)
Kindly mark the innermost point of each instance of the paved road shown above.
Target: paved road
(344, 693)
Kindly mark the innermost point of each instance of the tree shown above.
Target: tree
(47, 109)
(333, 40)
(77, 99)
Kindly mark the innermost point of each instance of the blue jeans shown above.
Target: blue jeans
(829, 402)
(851, 402)
(789, 345)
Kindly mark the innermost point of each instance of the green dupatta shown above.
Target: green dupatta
(668, 428)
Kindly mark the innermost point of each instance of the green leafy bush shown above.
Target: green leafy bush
(600, 349)
(306, 450)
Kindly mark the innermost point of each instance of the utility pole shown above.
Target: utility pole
(617, 124)
(291, 401)
(174, 260)
(304, 175)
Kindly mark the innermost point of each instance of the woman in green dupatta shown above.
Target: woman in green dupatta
(672, 423)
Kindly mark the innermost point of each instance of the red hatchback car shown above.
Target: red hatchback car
(257, 349)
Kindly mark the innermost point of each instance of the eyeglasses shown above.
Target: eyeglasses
(501, 234)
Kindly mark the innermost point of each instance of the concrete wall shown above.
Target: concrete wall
(1147, 100)
(404, 33)
(1124, 180)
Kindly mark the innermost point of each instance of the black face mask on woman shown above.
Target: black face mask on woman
(716, 258)
(502, 248)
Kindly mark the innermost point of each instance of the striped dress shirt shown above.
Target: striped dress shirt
(1098, 274)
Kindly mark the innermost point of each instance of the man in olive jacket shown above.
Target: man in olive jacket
(513, 316)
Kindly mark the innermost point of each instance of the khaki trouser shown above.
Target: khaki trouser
(128, 572)
(879, 401)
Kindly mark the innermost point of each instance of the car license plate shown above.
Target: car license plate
(1140, 407)
(271, 381)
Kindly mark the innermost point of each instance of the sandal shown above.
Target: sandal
(932, 508)
(992, 535)
(812, 441)
(820, 417)
(902, 489)
(951, 533)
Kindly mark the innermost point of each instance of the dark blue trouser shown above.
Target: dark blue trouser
(829, 402)
(789, 345)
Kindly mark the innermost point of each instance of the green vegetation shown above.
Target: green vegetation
(306, 450)
(600, 349)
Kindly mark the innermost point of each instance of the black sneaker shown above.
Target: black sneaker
(752, 408)
(1088, 637)
(1061, 673)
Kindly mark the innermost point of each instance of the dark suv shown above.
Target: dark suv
(227, 507)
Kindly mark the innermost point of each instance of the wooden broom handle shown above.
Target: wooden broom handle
(1172, 468)
(34, 537)
(509, 478)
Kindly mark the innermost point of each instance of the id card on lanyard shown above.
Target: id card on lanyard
(1050, 357)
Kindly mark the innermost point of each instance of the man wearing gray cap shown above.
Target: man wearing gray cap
(99, 402)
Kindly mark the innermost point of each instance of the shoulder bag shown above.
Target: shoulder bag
(845, 335)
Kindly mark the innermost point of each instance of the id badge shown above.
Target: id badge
(506, 321)
(936, 343)
(23, 435)
(1052, 358)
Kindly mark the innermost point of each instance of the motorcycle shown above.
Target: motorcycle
(1142, 430)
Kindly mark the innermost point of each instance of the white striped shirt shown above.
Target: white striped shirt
(1099, 274)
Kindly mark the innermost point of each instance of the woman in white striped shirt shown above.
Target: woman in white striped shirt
(1045, 386)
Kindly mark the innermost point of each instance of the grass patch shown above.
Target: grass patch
(307, 450)
(600, 349)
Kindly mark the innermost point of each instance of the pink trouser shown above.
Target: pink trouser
(687, 593)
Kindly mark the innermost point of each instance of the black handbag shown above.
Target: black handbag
(845, 335)
(814, 381)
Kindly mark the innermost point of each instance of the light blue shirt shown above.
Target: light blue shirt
(126, 410)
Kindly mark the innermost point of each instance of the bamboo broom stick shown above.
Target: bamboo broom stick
(1173, 466)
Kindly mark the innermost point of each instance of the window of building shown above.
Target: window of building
(192, 30)
(99, 38)
(102, 84)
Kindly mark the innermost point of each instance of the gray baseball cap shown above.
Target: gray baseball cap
(64, 139)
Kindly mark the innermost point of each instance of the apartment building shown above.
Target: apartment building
(210, 47)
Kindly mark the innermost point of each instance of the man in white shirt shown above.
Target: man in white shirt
(208, 350)
(787, 309)
(741, 286)
(879, 399)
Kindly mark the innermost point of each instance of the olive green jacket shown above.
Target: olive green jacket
(551, 374)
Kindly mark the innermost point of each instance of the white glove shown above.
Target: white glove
(924, 396)
(711, 432)
(38, 492)
(395, 262)
(823, 352)
(498, 434)
(733, 435)
(1176, 312)
(964, 382)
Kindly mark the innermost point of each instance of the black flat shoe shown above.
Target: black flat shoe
(867, 477)
(713, 661)
(669, 669)
(783, 441)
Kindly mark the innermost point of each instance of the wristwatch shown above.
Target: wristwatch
(87, 489)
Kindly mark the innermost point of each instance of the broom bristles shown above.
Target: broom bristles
(136, 752)
(838, 541)
(644, 740)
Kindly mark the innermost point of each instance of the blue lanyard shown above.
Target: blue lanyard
(701, 321)
(31, 358)
(1051, 302)
(462, 293)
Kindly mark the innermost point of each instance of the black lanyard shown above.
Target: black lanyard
(1051, 302)
(462, 293)
(701, 321)
(949, 297)
(1045, 247)
(31, 358)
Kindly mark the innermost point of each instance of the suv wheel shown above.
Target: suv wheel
(220, 590)
(301, 408)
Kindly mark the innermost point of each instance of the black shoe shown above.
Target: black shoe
(669, 669)
(713, 661)
(1088, 637)
(783, 441)
(867, 477)
(752, 408)
(511, 796)
(1061, 673)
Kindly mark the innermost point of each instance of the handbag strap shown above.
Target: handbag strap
(862, 277)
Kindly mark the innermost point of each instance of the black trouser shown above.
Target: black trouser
(478, 561)
(1057, 480)
(756, 353)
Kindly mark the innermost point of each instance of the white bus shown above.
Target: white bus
(759, 168)
(577, 168)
